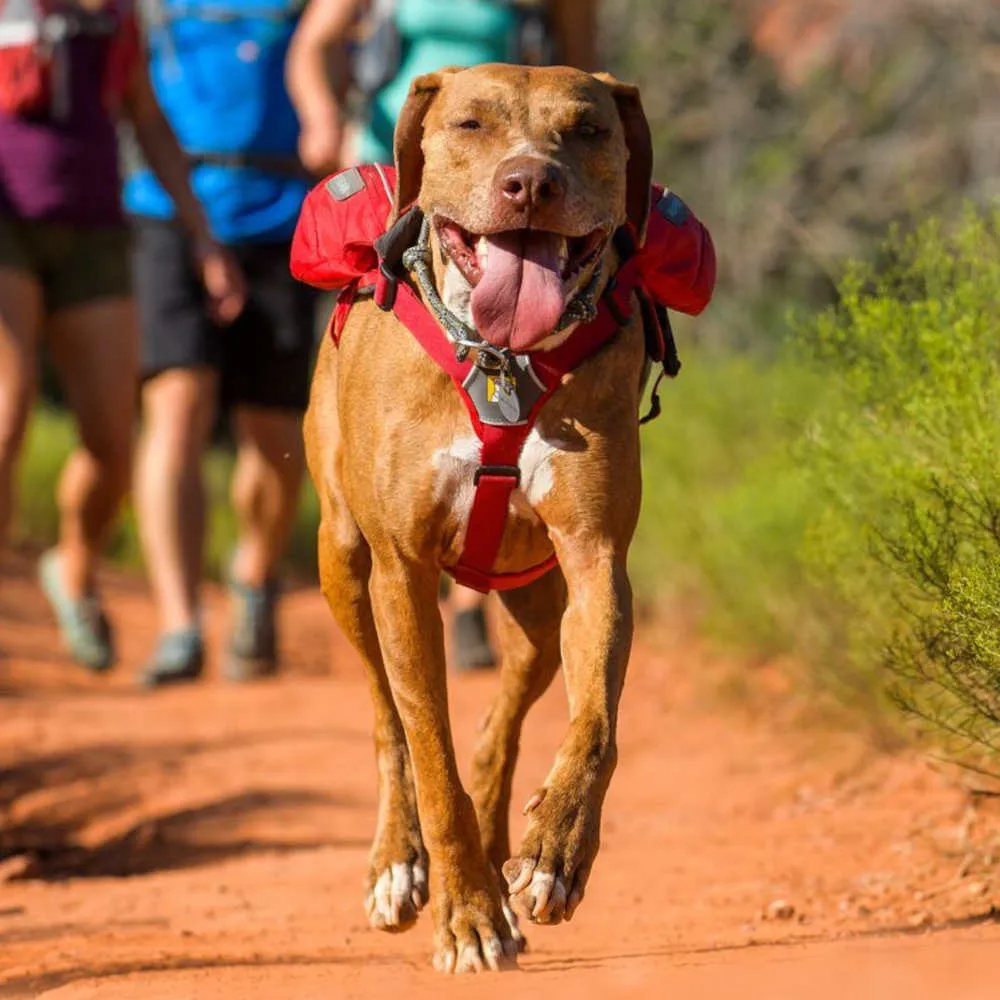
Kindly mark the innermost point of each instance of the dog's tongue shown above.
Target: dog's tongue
(519, 299)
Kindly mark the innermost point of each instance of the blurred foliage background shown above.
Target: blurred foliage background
(824, 483)
(800, 129)
(820, 485)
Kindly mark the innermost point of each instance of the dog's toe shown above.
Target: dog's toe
(516, 934)
(471, 941)
(538, 895)
(398, 895)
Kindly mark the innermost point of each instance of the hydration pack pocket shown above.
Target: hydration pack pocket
(342, 217)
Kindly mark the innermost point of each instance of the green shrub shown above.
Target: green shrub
(908, 465)
(843, 503)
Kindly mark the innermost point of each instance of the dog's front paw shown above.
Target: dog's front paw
(473, 935)
(396, 896)
(546, 880)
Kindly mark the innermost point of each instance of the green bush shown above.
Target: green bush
(843, 503)
(907, 464)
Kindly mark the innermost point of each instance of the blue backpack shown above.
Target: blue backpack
(218, 70)
(194, 44)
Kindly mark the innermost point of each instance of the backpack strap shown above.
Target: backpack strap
(160, 14)
(269, 163)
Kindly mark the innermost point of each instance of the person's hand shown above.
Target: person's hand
(321, 142)
(223, 280)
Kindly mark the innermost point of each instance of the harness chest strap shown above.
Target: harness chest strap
(498, 474)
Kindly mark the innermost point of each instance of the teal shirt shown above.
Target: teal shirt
(436, 33)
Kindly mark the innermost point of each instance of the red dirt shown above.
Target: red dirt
(210, 842)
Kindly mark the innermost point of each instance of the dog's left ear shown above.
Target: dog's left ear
(409, 136)
(639, 176)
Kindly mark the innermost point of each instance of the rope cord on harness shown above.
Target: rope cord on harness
(418, 260)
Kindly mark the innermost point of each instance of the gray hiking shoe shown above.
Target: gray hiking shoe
(253, 646)
(178, 657)
(85, 630)
(471, 641)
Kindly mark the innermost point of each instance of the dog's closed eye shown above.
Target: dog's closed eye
(587, 130)
(469, 124)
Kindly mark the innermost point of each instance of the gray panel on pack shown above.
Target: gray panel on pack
(498, 406)
(345, 185)
(672, 209)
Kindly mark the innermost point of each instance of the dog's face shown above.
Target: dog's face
(525, 174)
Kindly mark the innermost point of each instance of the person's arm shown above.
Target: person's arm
(220, 273)
(321, 32)
(574, 25)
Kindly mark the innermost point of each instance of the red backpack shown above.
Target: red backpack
(35, 52)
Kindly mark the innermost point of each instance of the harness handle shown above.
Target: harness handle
(654, 400)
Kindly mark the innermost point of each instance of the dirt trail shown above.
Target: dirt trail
(210, 842)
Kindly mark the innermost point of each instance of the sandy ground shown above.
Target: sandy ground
(210, 842)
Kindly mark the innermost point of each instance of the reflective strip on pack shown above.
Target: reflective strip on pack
(672, 208)
(345, 185)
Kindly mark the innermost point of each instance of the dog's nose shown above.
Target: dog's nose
(528, 182)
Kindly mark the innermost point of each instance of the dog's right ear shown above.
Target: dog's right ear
(640, 151)
(407, 142)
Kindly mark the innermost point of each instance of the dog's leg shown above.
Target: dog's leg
(547, 878)
(396, 884)
(528, 623)
(471, 933)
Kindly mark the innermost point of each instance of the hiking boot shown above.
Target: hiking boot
(471, 641)
(178, 657)
(85, 631)
(253, 646)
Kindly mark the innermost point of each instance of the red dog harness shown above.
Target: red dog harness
(341, 242)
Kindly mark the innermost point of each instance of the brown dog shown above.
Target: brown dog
(525, 174)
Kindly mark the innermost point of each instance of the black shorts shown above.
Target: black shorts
(263, 358)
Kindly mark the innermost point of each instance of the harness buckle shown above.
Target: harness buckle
(505, 471)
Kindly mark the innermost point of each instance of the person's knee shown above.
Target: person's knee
(271, 447)
(113, 455)
(17, 394)
(178, 409)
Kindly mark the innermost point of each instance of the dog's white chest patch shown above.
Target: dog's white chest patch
(454, 472)
(536, 467)
(455, 467)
